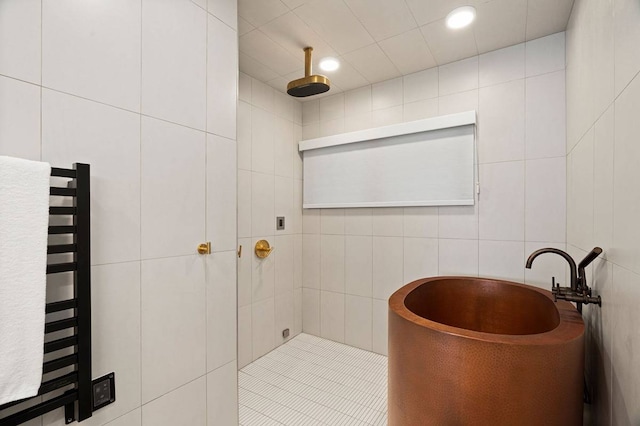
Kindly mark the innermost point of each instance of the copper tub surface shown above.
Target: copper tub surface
(473, 351)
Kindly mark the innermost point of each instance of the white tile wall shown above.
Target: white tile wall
(174, 62)
(173, 162)
(221, 291)
(358, 321)
(19, 119)
(173, 323)
(101, 43)
(122, 86)
(116, 334)
(501, 131)
(501, 66)
(187, 405)
(21, 20)
(222, 75)
(603, 97)
(358, 257)
(221, 384)
(270, 185)
(77, 130)
(332, 315)
(221, 193)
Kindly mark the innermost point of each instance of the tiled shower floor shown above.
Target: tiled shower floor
(314, 381)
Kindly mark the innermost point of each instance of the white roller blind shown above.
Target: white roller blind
(423, 163)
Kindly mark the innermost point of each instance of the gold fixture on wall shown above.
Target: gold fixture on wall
(263, 249)
(309, 85)
(205, 248)
(240, 250)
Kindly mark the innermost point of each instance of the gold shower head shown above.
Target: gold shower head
(309, 85)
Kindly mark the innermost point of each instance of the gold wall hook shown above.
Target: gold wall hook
(205, 248)
(263, 249)
(240, 250)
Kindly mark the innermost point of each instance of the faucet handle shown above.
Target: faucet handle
(590, 257)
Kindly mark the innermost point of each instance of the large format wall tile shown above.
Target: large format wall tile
(501, 66)
(420, 258)
(75, 130)
(580, 193)
(220, 398)
(626, 203)
(20, 39)
(263, 204)
(263, 327)
(627, 38)
(116, 334)
(186, 405)
(502, 260)
(545, 116)
(222, 78)
(502, 124)
(225, 10)
(625, 351)
(174, 57)
(358, 265)
(502, 201)
(19, 118)
(173, 188)
(221, 193)
(332, 315)
(545, 54)
(458, 257)
(358, 322)
(332, 263)
(387, 266)
(93, 50)
(221, 309)
(545, 200)
(174, 340)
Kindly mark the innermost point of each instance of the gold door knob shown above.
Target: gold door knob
(263, 249)
(204, 248)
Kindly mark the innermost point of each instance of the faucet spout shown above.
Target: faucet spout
(565, 255)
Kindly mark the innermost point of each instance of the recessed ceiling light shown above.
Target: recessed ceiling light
(329, 64)
(461, 17)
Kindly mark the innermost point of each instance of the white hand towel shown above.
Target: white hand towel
(24, 218)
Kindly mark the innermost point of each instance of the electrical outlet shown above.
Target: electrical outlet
(280, 223)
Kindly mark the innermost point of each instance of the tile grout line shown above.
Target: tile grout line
(140, 164)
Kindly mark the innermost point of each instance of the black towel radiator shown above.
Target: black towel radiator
(67, 365)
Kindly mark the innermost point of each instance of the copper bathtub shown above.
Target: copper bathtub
(473, 351)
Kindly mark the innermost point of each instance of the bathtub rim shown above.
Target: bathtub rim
(570, 327)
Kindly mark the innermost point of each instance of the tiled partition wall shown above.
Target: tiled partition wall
(354, 259)
(603, 200)
(269, 185)
(145, 91)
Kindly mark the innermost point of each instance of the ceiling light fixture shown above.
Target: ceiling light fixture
(329, 64)
(461, 17)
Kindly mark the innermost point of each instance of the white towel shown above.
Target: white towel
(24, 217)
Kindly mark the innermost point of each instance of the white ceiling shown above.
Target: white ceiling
(376, 40)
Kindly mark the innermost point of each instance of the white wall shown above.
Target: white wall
(603, 201)
(354, 259)
(269, 185)
(145, 91)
